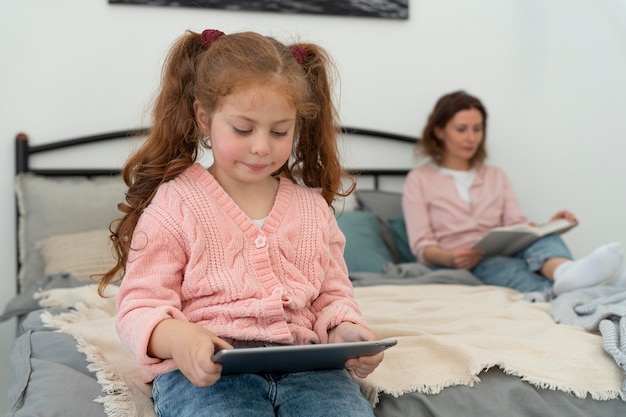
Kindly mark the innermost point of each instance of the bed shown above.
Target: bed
(463, 348)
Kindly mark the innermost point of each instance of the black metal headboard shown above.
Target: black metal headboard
(377, 173)
(23, 152)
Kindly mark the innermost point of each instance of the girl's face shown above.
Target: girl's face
(461, 138)
(251, 134)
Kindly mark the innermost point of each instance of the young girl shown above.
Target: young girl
(248, 252)
(450, 203)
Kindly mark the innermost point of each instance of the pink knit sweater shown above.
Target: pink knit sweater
(436, 215)
(197, 257)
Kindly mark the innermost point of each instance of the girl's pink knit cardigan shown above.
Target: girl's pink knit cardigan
(197, 257)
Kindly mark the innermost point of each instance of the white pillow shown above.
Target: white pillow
(80, 254)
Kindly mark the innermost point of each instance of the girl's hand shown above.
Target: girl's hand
(350, 332)
(564, 214)
(192, 347)
(466, 258)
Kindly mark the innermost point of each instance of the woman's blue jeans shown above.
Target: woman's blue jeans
(520, 271)
(300, 394)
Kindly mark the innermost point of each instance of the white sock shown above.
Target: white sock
(600, 265)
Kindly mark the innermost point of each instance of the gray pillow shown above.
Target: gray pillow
(50, 206)
(385, 204)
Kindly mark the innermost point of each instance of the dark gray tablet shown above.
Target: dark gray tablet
(297, 358)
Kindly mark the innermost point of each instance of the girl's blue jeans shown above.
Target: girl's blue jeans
(520, 271)
(301, 394)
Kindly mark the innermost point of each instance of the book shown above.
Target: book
(508, 240)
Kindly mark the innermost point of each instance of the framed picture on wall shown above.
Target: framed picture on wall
(388, 9)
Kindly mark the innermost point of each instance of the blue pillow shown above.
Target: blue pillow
(365, 249)
(398, 229)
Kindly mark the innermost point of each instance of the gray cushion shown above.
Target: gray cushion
(385, 204)
(53, 206)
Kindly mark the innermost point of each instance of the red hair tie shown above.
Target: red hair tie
(208, 37)
(299, 53)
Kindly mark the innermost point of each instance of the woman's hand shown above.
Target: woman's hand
(466, 258)
(192, 347)
(350, 332)
(564, 214)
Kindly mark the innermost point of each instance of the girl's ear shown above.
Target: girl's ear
(202, 117)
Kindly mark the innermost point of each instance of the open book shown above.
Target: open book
(508, 240)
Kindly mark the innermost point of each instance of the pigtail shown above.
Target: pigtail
(171, 146)
(317, 160)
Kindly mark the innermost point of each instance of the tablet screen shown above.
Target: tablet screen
(297, 358)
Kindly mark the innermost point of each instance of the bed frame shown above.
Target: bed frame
(24, 152)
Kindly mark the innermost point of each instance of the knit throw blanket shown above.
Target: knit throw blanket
(447, 335)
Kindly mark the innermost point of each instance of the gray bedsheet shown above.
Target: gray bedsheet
(49, 377)
(413, 274)
(25, 302)
(497, 394)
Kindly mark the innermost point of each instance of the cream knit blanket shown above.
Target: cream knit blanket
(447, 335)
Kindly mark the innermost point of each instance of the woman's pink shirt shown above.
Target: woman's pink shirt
(436, 215)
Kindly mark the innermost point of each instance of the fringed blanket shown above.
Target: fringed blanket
(447, 335)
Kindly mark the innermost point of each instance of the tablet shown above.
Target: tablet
(296, 358)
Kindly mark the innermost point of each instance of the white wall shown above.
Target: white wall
(550, 72)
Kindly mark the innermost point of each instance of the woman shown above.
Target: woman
(454, 200)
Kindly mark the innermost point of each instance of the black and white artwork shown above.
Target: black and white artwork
(389, 9)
